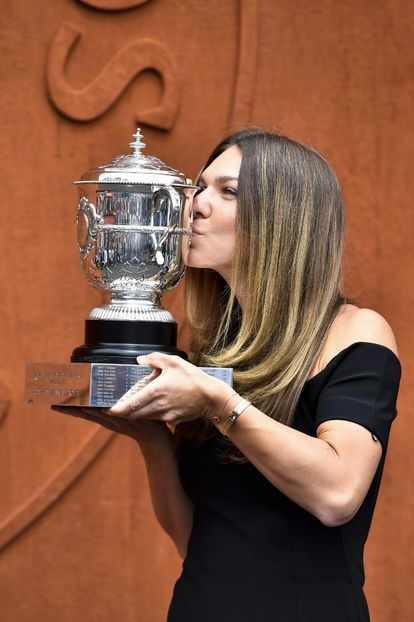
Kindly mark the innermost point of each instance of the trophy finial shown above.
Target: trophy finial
(137, 144)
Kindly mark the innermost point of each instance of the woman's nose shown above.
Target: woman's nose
(201, 205)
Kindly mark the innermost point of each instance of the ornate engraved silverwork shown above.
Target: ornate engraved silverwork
(133, 219)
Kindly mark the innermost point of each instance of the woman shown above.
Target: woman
(267, 488)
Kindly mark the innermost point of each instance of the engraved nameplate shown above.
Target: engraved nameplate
(90, 384)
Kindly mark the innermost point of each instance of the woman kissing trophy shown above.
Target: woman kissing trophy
(134, 219)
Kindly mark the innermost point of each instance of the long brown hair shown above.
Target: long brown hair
(290, 230)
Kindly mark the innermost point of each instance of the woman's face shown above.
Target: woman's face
(214, 215)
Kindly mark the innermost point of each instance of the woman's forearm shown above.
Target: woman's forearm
(172, 507)
(328, 476)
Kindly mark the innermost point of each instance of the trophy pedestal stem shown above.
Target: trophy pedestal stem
(133, 309)
(121, 341)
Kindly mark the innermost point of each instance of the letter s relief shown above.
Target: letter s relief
(93, 100)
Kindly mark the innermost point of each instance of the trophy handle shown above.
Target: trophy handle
(87, 221)
(173, 204)
(169, 197)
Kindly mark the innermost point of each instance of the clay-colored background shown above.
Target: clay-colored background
(78, 538)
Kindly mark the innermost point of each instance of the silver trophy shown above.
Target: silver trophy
(134, 220)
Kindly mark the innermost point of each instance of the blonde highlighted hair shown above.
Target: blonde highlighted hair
(287, 261)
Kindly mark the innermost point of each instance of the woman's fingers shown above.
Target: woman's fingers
(133, 398)
(115, 424)
(75, 411)
(137, 397)
(158, 360)
(94, 415)
(170, 393)
(146, 390)
(143, 430)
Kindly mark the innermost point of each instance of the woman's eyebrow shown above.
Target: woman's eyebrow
(225, 178)
(219, 180)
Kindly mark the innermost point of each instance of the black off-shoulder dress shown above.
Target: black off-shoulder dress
(253, 554)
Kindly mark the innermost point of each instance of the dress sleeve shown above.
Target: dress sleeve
(362, 388)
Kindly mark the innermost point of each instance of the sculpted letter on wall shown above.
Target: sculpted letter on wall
(102, 92)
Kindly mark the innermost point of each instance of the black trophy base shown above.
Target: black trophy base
(121, 341)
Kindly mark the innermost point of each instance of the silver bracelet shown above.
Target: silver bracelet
(224, 425)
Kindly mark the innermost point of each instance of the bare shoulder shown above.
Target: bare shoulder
(353, 325)
(367, 325)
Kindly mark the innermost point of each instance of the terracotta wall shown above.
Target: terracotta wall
(79, 541)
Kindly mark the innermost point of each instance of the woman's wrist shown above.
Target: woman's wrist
(218, 395)
(227, 418)
(226, 406)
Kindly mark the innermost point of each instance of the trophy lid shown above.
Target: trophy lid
(135, 168)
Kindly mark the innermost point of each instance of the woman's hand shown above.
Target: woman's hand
(178, 391)
(143, 431)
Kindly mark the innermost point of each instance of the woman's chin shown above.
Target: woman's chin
(190, 259)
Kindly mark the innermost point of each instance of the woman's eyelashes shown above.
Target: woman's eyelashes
(230, 192)
(227, 191)
(199, 191)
